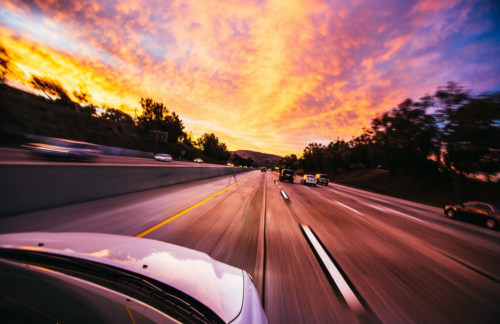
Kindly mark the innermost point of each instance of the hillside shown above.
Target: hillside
(24, 113)
(264, 159)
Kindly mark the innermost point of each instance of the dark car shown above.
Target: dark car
(322, 179)
(287, 175)
(485, 213)
(263, 169)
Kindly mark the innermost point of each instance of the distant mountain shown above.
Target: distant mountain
(264, 159)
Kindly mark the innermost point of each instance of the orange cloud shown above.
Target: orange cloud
(267, 76)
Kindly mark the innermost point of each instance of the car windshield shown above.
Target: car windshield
(310, 176)
(165, 298)
(323, 176)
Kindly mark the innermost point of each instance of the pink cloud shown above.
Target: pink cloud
(245, 67)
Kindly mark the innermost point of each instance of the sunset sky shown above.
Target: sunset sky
(269, 76)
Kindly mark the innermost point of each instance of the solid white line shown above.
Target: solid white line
(275, 182)
(284, 194)
(354, 210)
(334, 272)
(307, 187)
(334, 191)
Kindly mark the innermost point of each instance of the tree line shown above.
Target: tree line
(446, 132)
(155, 116)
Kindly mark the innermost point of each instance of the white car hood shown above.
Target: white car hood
(215, 284)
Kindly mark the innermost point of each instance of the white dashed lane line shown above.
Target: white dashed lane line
(354, 210)
(334, 273)
(386, 209)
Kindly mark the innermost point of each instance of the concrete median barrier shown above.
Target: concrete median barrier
(26, 188)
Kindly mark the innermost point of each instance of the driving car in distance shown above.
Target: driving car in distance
(322, 179)
(230, 165)
(103, 278)
(484, 213)
(287, 175)
(198, 160)
(163, 157)
(308, 179)
(65, 149)
(263, 169)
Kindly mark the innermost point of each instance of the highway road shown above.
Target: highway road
(318, 254)
(25, 157)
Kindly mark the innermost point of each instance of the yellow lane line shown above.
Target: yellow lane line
(130, 314)
(146, 232)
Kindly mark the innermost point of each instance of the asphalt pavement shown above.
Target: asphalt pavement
(320, 254)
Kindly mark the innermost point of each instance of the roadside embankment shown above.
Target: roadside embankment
(26, 188)
(433, 191)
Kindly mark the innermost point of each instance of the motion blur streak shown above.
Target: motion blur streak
(400, 270)
(190, 208)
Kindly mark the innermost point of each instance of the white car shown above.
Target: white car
(308, 179)
(163, 157)
(103, 278)
(198, 160)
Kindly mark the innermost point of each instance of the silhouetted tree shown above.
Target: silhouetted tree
(155, 116)
(337, 155)
(82, 96)
(84, 99)
(446, 100)
(446, 131)
(405, 137)
(175, 127)
(473, 143)
(189, 140)
(51, 87)
(313, 156)
(442, 104)
(290, 161)
(117, 116)
(362, 150)
(4, 63)
(211, 147)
